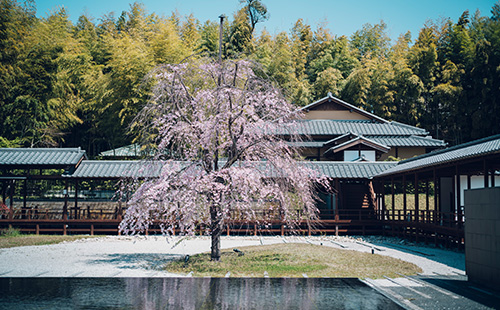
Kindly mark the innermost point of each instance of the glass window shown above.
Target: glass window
(369, 155)
(351, 155)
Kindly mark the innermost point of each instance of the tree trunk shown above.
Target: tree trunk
(215, 231)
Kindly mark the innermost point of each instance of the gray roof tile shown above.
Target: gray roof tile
(47, 157)
(366, 128)
(350, 170)
(115, 169)
(408, 141)
(486, 146)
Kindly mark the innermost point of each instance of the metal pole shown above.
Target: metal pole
(220, 36)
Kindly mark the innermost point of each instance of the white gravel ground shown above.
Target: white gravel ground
(119, 256)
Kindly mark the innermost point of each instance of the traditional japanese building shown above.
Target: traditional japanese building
(335, 130)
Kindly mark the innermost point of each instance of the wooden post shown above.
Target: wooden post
(427, 202)
(65, 207)
(393, 199)
(383, 200)
(436, 191)
(91, 229)
(65, 229)
(25, 192)
(492, 177)
(458, 194)
(337, 200)
(417, 207)
(404, 195)
(485, 169)
(76, 197)
(37, 229)
(11, 209)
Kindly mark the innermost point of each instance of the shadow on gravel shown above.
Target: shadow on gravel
(132, 261)
(467, 289)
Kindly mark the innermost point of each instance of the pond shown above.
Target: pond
(190, 293)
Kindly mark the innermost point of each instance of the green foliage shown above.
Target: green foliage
(10, 232)
(64, 84)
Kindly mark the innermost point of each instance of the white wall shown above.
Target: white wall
(475, 182)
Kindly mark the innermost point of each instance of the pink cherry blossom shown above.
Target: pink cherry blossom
(218, 134)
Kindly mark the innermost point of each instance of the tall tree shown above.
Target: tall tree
(371, 39)
(256, 12)
(222, 123)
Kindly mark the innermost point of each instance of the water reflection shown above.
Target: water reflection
(189, 293)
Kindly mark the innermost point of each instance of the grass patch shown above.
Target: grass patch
(11, 238)
(294, 260)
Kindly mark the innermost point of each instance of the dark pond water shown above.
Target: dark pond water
(189, 293)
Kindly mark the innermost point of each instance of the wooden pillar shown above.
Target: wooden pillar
(458, 193)
(337, 198)
(65, 207)
(417, 207)
(492, 178)
(76, 195)
(382, 189)
(25, 192)
(427, 203)
(11, 207)
(469, 185)
(404, 197)
(436, 195)
(485, 171)
(393, 199)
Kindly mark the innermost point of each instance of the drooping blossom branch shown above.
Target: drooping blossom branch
(218, 131)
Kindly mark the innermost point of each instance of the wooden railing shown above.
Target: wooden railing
(428, 226)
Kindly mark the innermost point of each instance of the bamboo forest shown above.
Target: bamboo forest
(65, 84)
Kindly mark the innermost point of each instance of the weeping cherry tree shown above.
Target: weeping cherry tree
(219, 133)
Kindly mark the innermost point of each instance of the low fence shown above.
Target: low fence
(348, 222)
(426, 226)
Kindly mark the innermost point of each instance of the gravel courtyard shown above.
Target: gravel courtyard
(120, 256)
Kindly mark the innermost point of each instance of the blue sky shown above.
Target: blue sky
(343, 17)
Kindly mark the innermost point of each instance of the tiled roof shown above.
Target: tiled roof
(330, 97)
(486, 146)
(307, 144)
(407, 141)
(115, 169)
(46, 157)
(350, 170)
(359, 127)
(124, 151)
(360, 140)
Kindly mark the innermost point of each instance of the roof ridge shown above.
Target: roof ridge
(344, 103)
(427, 138)
(45, 149)
(407, 126)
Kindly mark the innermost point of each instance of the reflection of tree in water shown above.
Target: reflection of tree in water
(221, 293)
